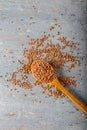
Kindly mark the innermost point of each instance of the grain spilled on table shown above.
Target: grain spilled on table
(45, 49)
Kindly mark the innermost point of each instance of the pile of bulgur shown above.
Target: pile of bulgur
(43, 71)
(43, 48)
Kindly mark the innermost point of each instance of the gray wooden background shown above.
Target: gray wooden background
(27, 113)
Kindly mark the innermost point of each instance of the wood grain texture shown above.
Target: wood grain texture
(26, 113)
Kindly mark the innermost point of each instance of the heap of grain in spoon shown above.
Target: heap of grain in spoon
(43, 71)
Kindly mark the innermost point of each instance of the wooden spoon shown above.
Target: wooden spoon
(45, 73)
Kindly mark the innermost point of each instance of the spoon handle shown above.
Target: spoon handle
(57, 84)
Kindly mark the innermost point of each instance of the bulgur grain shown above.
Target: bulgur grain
(44, 49)
(43, 71)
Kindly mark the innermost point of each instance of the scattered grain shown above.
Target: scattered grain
(51, 28)
(43, 48)
(72, 14)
